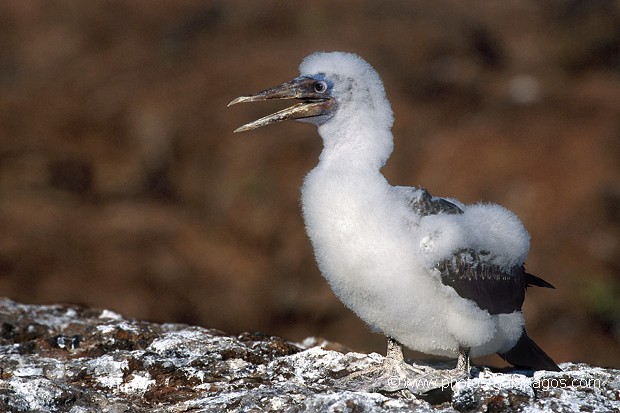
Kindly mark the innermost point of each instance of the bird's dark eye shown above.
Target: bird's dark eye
(320, 87)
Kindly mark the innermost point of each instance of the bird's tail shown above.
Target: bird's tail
(527, 354)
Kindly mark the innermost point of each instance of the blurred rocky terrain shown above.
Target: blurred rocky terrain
(75, 359)
(123, 187)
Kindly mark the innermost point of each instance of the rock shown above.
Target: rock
(63, 358)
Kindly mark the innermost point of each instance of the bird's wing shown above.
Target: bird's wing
(474, 275)
(471, 273)
(497, 290)
(423, 204)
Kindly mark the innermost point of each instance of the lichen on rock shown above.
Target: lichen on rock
(63, 358)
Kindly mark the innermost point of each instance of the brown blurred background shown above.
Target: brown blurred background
(122, 185)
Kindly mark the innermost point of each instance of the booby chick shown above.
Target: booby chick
(430, 273)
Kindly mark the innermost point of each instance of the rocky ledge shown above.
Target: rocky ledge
(64, 358)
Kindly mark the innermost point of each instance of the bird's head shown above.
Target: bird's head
(332, 86)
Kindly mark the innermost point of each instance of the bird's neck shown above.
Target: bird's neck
(362, 146)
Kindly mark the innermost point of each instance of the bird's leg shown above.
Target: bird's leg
(462, 363)
(392, 375)
(394, 350)
(394, 356)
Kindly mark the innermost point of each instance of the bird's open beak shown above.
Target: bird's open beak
(312, 103)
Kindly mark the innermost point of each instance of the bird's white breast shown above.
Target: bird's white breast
(348, 222)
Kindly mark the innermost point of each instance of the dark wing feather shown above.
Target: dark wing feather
(424, 204)
(496, 290)
(533, 280)
(499, 292)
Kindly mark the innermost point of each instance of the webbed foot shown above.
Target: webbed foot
(394, 374)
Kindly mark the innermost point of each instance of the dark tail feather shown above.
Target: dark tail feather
(531, 280)
(527, 354)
